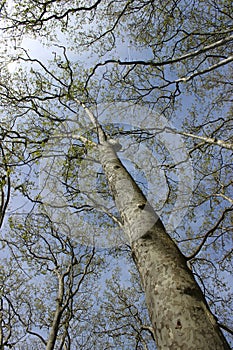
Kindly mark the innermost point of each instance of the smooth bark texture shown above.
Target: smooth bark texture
(180, 316)
(1, 326)
(57, 315)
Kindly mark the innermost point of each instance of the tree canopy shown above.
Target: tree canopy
(156, 75)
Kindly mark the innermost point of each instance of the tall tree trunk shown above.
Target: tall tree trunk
(179, 313)
(57, 314)
(1, 326)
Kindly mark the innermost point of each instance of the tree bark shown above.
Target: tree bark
(57, 315)
(1, 326)
(180, 316)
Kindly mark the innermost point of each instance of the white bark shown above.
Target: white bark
(205, 139)
(203, 71)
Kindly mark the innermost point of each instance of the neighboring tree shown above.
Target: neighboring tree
(46, 290)
(178, 65)
(122, 317)
(5, 186)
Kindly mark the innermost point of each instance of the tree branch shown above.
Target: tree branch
(208, 234)
(204, 71)
(169, 61)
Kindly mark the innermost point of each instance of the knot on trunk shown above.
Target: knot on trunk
(115, 144)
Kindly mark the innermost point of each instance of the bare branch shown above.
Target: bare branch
(210, 140)
(169, 61)
(207, 70)
(209, 233)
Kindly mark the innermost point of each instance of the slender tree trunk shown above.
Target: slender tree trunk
(1, 326)
(54, 329)
(179, 313)
(57, 315)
